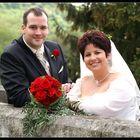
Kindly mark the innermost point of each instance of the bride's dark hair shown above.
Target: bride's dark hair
(97, 38)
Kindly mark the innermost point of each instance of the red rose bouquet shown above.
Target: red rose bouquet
(46, 99)
(46, 90)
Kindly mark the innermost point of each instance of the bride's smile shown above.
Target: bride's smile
(103, 92)
(95, 58)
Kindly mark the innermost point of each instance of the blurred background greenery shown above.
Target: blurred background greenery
(67, 22)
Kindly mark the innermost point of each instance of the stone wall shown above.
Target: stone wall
(11, 125)
(3, 97)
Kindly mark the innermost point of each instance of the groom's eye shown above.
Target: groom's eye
(32, 27)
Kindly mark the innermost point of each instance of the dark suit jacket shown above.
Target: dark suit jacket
(19, 67)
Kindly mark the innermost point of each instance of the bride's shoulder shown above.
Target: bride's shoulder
(84, 78)
(87, 77)
(118, 77)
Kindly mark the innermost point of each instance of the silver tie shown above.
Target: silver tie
(43, 61)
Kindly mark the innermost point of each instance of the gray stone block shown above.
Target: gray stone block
(11, 125)
(3, 96)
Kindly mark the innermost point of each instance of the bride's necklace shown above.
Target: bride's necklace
(98, 82)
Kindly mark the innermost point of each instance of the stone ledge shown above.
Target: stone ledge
(11, 125)
(3, 96)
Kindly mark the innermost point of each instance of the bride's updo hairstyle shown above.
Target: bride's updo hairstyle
(97, 38)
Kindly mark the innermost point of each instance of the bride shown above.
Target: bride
(104, 88)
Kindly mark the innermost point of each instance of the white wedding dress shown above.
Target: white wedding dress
(117, 101)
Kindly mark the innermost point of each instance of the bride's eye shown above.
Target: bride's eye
(97, 52)
(87, 54)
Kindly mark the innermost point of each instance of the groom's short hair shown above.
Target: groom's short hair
(37, 12)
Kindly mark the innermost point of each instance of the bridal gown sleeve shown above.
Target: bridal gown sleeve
(118, 101)
(73, 97)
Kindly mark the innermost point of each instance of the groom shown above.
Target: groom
(20, 62)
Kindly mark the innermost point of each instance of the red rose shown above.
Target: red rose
(55, 53)
(46, 102)
(52, 92)
(40, 96)
(36, 85)
(46, 90)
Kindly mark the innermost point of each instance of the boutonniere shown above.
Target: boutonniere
(55, 53)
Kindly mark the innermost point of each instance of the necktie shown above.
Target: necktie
(43, 61)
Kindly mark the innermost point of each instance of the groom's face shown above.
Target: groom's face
(36, 30)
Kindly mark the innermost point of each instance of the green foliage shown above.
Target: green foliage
(9, 27)
(71, 52)
(11, 21)
(37, 117)
(135, 66)
(119, 20)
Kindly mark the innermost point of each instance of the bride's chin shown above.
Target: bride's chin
(95, 69)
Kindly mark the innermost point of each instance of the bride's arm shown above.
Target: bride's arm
(75, 90)
(111, 102)
(73, 96)
(83, 87)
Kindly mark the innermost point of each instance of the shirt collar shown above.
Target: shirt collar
(32, 49)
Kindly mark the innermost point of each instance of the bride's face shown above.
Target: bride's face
(95, 58)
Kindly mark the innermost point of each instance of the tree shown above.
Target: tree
(120, 20)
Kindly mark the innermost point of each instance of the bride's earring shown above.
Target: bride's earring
(110, 60)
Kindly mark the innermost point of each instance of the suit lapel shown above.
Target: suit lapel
(53, 69)
(31, 57)
(36, 63)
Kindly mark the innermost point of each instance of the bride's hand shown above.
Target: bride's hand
(67, 87)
